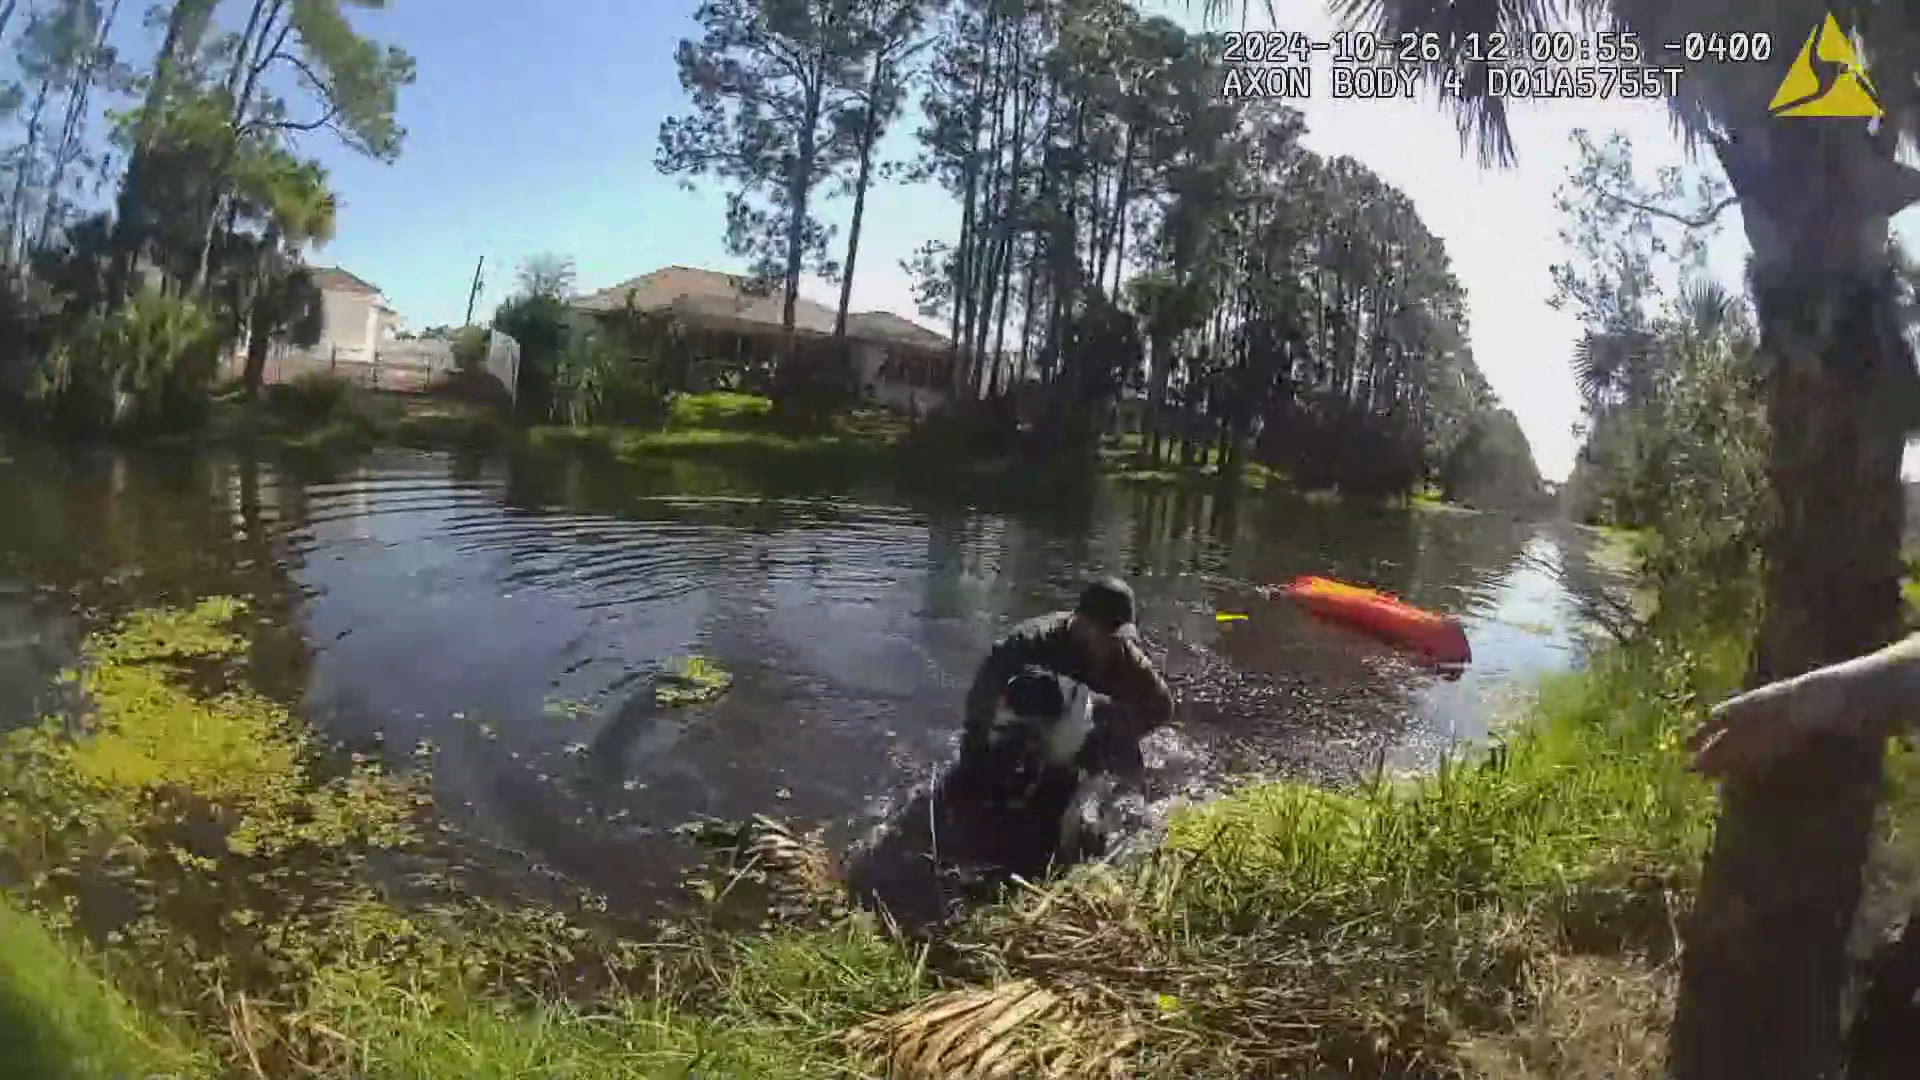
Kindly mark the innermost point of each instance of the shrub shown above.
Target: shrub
(595, 380)
(720, 409)
(148, 363)
(470, 348)
(314, 399)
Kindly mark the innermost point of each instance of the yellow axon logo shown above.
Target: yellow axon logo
(1826, 79)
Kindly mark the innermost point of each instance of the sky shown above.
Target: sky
(531, 129)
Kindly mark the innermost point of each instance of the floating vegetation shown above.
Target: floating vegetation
(694, 680)
(560, 708)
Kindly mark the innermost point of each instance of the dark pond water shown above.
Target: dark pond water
(511, 611)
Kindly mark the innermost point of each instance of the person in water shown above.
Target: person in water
(1096, 646)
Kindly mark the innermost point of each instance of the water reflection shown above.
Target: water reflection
(511, 611)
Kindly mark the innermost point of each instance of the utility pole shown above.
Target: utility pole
(474, 293)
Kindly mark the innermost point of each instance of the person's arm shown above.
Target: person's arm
(1871, 693)
(1140, 691)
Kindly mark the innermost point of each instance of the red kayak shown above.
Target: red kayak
(1390, 618)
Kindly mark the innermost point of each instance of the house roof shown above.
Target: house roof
(709, 298)
(888, 327)
(335, 279)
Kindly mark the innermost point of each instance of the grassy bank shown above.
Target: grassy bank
(1124, 458)
(1512, 915)
(332, 416)
(59, 1020)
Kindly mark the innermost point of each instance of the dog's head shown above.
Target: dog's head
(1035, 694)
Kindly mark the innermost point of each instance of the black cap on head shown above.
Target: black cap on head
(1107, 602)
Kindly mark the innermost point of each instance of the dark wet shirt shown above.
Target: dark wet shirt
(1046, 641)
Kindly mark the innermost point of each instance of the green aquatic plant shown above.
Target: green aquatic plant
(229, 853)
(692, 680)
(202, 829)
(560, 708)
(149, 748)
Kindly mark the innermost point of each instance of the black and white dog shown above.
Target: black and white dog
(1027, 784)
(1014, 808)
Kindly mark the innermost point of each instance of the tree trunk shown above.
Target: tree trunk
(186, 25)
(254, 375)
(259, 316)
(1120, 214)
(1766, 960)
(869, 133)
(248, 63)
(996, 203)
(16, 218)
(798, 184)
(963, 268)
(1015, 375)
(1110, 239)
(71, 126)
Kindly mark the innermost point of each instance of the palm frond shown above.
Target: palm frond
(1707, 307)
(958, 1034)
(1482, 117)
(1610, 365)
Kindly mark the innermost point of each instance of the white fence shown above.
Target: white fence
(503, 361)
(399, 366)
(403, 366)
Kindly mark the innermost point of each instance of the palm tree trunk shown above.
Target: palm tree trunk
(1765, 963)
(259, 322)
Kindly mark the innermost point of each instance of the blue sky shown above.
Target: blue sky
(532, 129)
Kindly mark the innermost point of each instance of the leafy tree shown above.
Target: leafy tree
(266, 288)
(1292, 308)
(287, 306)
(772, 82)
(891, 34)
(155, 130)
(62, 51)
(547, 275)
(1491, 464)
(352, 83)
(540, 319)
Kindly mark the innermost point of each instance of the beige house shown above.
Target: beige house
(358, 320)
(358, 339)
(732, 323)
(900, 363)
